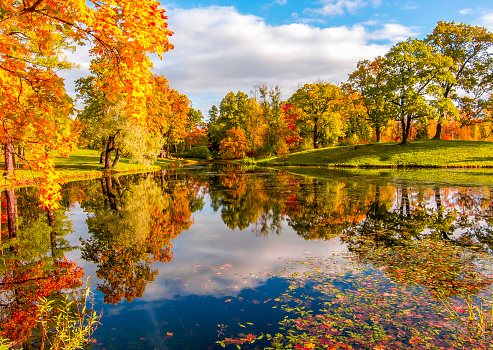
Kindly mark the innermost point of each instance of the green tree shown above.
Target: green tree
(232, 114)
(415, 76)
(470, 49)
(367, 81)
(319, 112)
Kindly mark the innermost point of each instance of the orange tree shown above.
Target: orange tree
(168, 113)
(34, 34)
(235, 144)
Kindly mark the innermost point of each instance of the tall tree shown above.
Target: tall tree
(367, 81)
(319, 111)
(233, 113)
(414, 77)
(470, 49)
(168, 114)
(34, 37)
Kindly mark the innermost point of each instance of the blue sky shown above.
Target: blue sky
(223, 46)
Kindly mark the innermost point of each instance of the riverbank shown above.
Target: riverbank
(420, 154)
(417, 154)
(81, 165)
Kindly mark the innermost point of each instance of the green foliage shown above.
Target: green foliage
(415, 75)
(319, 112)
(248, 161)
(422, 132)
(200, 152)
(68, 322)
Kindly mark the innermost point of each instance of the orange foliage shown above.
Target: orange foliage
(34, 35)
(25, 284)
(235, 144)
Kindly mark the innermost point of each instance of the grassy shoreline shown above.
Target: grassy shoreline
(416, 154)
(80, 165)
(368, 158)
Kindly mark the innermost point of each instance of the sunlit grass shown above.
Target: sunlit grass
(431, 153)
(448, 177)
(81, 164)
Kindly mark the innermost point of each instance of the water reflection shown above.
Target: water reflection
(132, 223)
(153, 238)
(33, 264)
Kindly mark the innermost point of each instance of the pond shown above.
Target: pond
(207, 257)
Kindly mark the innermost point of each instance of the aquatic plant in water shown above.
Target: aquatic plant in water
(383, 305)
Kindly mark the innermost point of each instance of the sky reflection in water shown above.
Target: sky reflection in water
(213, 278)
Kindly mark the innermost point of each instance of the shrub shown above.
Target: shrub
(248, 161)
(201, 152)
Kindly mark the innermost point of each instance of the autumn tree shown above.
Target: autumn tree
(415, 76)
(470, 49)
(232, 114)
(369, 103)
(168, 114)
(34, 35)
(319, 114)
(234, 145)
(273, 129)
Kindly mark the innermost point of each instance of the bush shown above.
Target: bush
(266, 151)
(200, 152)
(248, 161)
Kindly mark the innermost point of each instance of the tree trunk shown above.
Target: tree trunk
(315, 134)
(51, 223)
(9, 163)
(438, 133)
(11, 212)
(109, 192)
(408, 127)
(378, 132)
(162, 153)
(117, 158)
(404, 135)
(110, 146)
(101, 158)
(118, 187)
(167, 146)
(103, 186)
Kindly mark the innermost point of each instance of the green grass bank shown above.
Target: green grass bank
(80, 165)
(420, 154)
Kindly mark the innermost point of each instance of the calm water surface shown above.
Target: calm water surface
(182, 259)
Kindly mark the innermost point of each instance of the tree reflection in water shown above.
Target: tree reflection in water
(430, 238)
(132, 227)
(33, 264)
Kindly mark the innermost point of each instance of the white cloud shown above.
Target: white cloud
(465, 11)
(486, 21)
(227, 51)
(393, 32)
(337, 7)
(281, 2)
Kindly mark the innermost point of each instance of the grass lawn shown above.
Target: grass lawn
(82, 164)
(430, 153)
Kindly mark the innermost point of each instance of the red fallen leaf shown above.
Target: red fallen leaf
(227, 300)
(142, 338)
